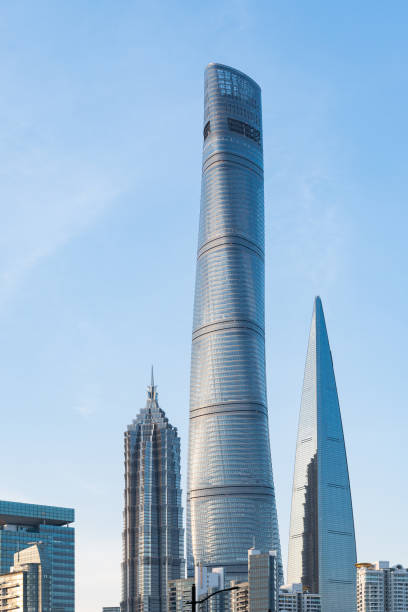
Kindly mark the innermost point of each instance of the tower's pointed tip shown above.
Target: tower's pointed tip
(152, 378)
(318, 306)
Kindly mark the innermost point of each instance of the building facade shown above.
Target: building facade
(292, 598)
(322, 549)
(263, 581)
(153, 536)
(209, 581)
(231, 496)
(105, 609)
(23, 525)
(179, 595)
(28, 585)
(240, 597)
(381, 588)
(261, 592)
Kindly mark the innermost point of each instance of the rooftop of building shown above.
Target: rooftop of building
(380, 565)
(17, 513)
(235, 70)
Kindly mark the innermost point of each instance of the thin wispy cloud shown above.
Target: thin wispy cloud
(45, 204)
(309, 226)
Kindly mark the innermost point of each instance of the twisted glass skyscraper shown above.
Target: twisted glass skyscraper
(322, 548)
(231, 497)
(153, 537)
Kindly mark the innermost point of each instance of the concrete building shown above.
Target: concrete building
(27, 586)
(292, 598)
(153, 534)
(381, 588)
(22, 525)
(231, 495)
(240, 598)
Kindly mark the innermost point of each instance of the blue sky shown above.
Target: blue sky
(100, 151)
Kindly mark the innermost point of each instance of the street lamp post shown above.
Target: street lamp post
(195, 601)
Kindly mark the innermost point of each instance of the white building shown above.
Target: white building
(381, 588)
(292, 598)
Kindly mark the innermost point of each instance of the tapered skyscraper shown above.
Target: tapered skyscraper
(231, 497)
(322, 548)
(153, 538)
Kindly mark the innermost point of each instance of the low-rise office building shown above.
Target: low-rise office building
(239, 597)
(293, 598)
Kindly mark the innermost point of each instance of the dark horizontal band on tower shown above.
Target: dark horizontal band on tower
(232, 158)
(250, 408)
(234, 490)
(228, 324)
(235, 240)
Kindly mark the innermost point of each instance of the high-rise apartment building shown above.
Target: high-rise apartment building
(292, 598)
(153, 536)
(231, 496)
(381, 588)
(27, 587)
(239, 598)
(24, 525)
(322, 549)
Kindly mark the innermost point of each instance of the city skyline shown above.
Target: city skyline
(99, 232)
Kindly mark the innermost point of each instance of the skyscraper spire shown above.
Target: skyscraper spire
(151, 389)
(322, 549)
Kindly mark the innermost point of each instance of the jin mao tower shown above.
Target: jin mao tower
(153, 537)
(231, 496)
(322, 548)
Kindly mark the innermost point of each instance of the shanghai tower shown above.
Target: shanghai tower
(231, 496)
(322, 547)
